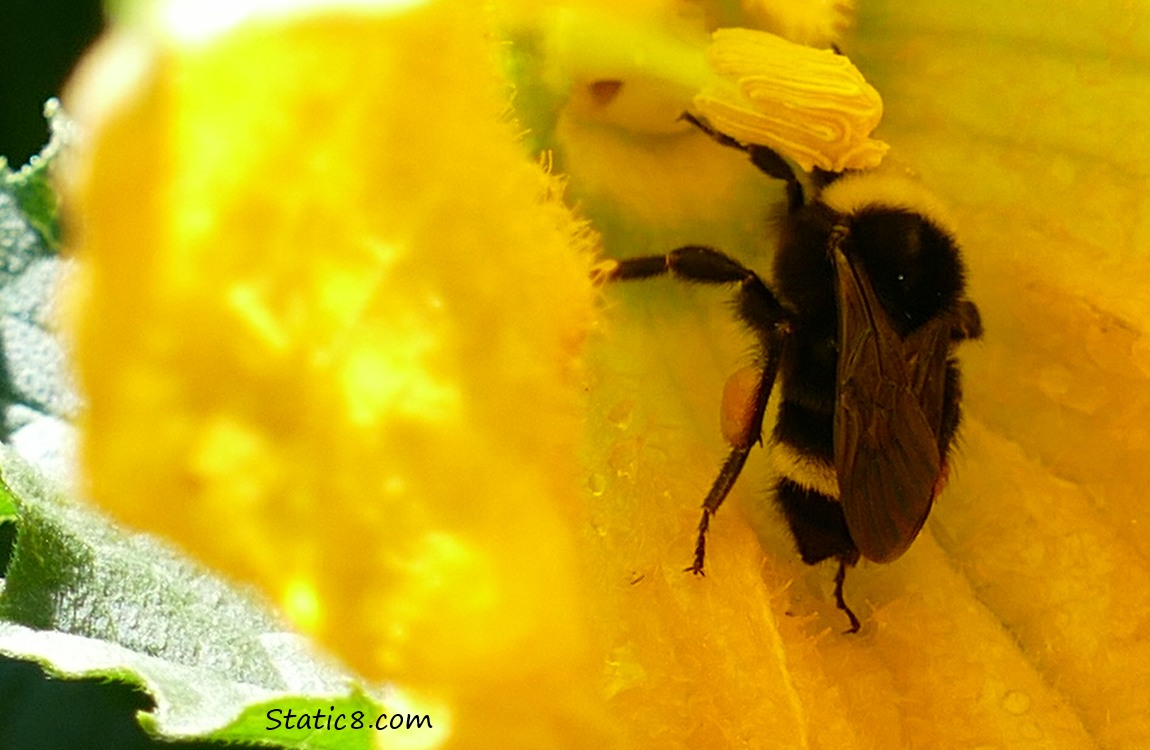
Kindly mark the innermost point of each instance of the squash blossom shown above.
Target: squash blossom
(338, 335)
(330, 332)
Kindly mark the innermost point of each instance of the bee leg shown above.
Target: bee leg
(759, 309)
(732, 467)
(755, 303)
(766, 159)
(692, 263)
(840, 577)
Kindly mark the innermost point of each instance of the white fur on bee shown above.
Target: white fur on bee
(804, 471)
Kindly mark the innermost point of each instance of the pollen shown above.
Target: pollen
(740, 393)
(810, 105)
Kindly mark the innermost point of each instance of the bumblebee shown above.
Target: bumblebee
(860, 326)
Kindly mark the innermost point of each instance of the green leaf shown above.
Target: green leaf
(74, 572)
(29, 209)
(87, 600)
(37, 398)
(7, 505)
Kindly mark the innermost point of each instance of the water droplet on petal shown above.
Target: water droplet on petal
(1016, 702)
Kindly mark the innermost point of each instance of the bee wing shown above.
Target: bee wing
(887, 415)
(926, 351)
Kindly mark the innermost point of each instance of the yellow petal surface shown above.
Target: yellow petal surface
(330, 325)
(1038, 139)
(1021, 616)
(329, 347)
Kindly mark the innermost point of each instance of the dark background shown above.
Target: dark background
(40, 41)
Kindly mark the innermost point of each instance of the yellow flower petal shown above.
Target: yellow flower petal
(816, 23)
(1019, 617)
(331, 326)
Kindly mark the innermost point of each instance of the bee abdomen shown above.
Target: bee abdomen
(817, 523)
(809, 430)
(806, 471)
(807, 489)
(803, 447)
